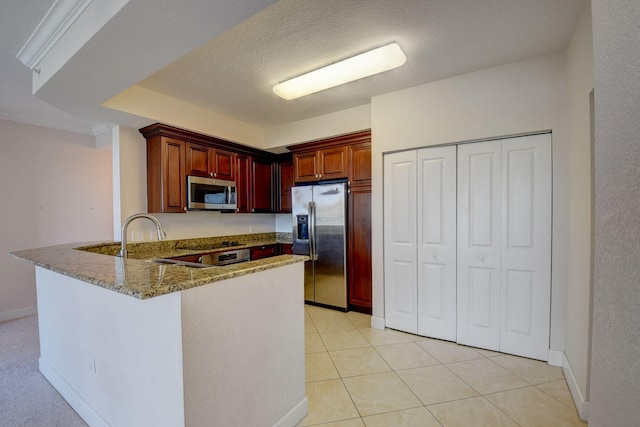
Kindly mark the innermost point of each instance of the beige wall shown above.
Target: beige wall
(516, 98)
(580, 84)
(55, 188)
(614, 390)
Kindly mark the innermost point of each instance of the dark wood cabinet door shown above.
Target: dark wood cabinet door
(198, 160)
(285, 182)
(222, 164)
(360, 249)
(333, 163)
(175, 181)
(243, 183)
(262, 185)
(286, 248)
(360, 155)
(166, 181)
(305, 167)
(259, 252)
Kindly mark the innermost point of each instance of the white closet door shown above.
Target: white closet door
(437, 242)
(479, 211)
(400, 269)
(526, 246)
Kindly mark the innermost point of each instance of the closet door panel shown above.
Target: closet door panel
(400, 261)
(437, 242)
(526, 246)
(479, 238)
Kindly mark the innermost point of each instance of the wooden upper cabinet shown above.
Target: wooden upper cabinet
(209, 162)
(305, 166)
(333, 163)
(166, 183)
(262, 185)
(327, 163)
(243, 184)
(360, 164)
(285, 182)
(223, 162)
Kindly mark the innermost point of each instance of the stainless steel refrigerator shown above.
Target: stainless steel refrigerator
(319, 231)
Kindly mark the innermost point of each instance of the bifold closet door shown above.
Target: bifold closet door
(526, 246)
(479, 211)
(437, 242)
(400, 269)
(504, 245)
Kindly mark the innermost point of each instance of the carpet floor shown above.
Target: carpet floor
(26, 397)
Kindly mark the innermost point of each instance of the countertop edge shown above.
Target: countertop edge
(139, 278)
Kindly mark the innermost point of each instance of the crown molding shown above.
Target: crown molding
(61, 16)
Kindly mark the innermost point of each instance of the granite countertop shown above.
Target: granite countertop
(142, 278)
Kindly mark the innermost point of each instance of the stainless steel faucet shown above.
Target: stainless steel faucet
(125, 225)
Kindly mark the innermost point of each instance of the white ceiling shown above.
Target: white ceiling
(233, 73)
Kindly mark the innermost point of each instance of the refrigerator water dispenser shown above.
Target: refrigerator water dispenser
(303, 227)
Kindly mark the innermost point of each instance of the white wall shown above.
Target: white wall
(55, 188)
(132, 169)
(580, 84)
(511, 99)
(615, 363)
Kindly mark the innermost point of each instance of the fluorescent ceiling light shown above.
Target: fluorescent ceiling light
(366, 64)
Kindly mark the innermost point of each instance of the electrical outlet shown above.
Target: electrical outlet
(153, 235)
(140, 236)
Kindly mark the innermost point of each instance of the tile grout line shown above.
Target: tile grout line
(439, 362)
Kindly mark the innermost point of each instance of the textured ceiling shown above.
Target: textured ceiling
(234, 73)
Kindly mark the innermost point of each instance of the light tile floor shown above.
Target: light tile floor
(357, 376)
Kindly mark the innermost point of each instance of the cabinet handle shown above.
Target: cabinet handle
(481, 258)
(434, 256)
(184, 209)
(215, 174)
(210, 173)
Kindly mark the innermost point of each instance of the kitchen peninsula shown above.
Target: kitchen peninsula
(138, 342)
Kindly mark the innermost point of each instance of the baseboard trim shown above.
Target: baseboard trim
(295, 414)
(377, 323)
(18, 314)
(555, 358)
(83, 409)
(582, 405)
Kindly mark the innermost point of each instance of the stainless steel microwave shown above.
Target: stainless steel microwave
(210, 194)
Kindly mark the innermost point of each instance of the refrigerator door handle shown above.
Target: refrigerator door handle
(312, 231)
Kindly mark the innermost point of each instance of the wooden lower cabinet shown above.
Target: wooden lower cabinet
(359, 272)
(265, 251)
(286, 249)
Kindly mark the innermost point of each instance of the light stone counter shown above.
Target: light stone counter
(138, 276)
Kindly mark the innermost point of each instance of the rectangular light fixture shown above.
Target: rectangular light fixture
(366, 64)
